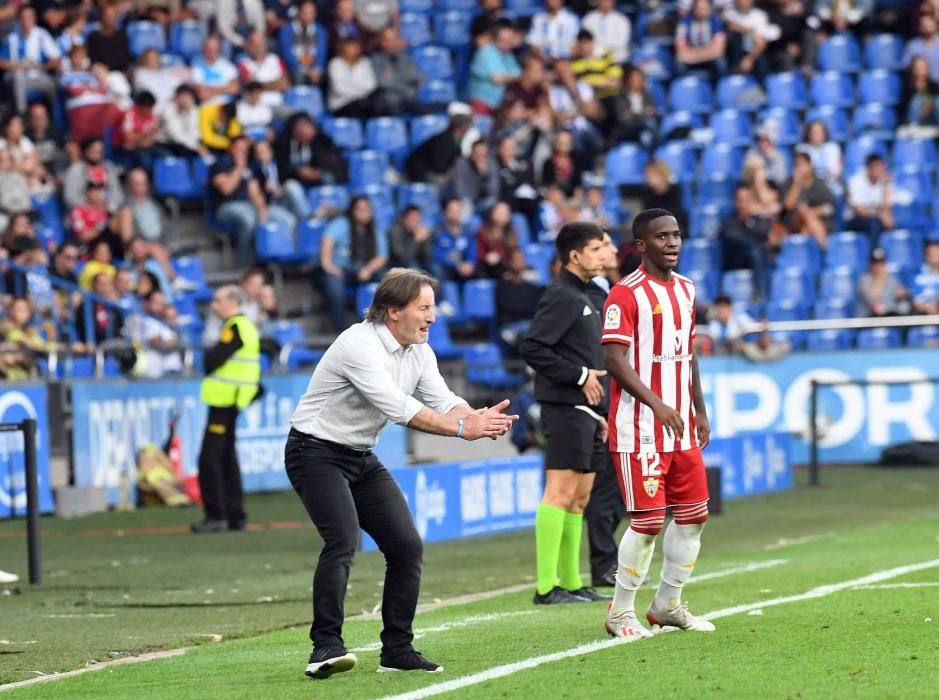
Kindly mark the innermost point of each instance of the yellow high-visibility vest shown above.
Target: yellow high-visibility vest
(235, 383)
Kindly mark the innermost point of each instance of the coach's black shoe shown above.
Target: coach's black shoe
(204, 526)
(325, 661)
(557, 596)
(590, 594)
(237, 525)
(607, 580)
(407, 661)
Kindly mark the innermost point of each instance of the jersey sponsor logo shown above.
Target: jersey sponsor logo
(613, 317)
(657, 310)
(678, 339)
(678, 357)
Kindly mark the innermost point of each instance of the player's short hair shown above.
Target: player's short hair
(644, 217)
(399, 287)
(575, 235)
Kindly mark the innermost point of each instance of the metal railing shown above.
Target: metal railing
(28, 428)
(843, 323)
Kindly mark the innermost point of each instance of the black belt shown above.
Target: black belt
(335, 446)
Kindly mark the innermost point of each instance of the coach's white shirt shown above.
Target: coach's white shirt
(366, 379)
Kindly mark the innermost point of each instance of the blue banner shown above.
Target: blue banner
(751, 464)
(18, 402)
(115, 418)
(855, 422)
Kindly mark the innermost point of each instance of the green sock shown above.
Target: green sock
(549, 529)
(569, 555)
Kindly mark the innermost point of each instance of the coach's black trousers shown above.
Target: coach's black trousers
(343, 490)
(219, 473)
(603, 514)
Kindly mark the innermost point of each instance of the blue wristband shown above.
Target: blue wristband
(459, 427)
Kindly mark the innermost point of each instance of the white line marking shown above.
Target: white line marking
(454, 624)
(881, 586)
(790, 541)
(744, 569)
(534, 662)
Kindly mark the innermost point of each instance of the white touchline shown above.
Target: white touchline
(744, 569)
(509, 669)
(454, 624)
(912, 584)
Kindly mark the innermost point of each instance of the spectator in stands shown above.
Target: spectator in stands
(919, 101)
(265, 67)
(252, 113)
(47, 138)
(769, 154)
(553, 31)
(146, 213)
(845, 15)
(136, 139)
(343, 26)
(304, 45)
(354, 250)
(252, 283)
(90, 222)
(725, 327)
(516, 300)
(870, 200)
(411, 242)
(397, 75)
(797, 45)
(825, 155)
(809, 205)
(880, 293)
(476, 178)
(145, 258)
(64, 262)
(158, 353)
(700, 41)
(25, 158)
(746, 239)
(926, 300)
(179, 125)
(433, 159)
(90, 108)
(495, 238)
(237, 199)
(14, 190)
(575, 108)
(564, 168)
(660, 190)
(53, 14)
(597, 68)
(64, 304)
(375, 15)
(632, 118)
(485, 20)
(163, 12)
(925, 46)
(219, 126)
(750, 32)
(150, 75)
(454, 244)
(352, 82)
(92, 168)
(595, 210)
(611, 29)
(554, 210)
(494, 66)
(108, 44)
(215, 78)
(764, 347)
(306, 157)
(19, 226)
(75, 31)
(21, 341)
(106, 318)
(516, 178)
(290, 194)
(529, 89)
(28, 57)
(765, 198)
(99, 263)
(236, 21)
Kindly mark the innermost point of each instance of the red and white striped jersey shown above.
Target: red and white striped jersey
(656, 321)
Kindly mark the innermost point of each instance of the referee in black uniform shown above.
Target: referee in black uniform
(563, 348)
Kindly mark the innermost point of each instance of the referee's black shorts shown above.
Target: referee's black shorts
(573, 437)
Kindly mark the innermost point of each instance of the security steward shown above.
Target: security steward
(232, 382)
(562, 346)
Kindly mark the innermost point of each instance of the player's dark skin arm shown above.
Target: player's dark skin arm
(614, 359)
(701, 423)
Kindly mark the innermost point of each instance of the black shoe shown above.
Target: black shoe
(407, 661)
(590, 594)
(325, 661)
(237, 525)
(606, 580)
(558, 595)
(206, 525)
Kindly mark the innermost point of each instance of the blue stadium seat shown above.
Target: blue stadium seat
(172, 178)
(722, 159)
(920, 153)
(787, 310)
(903, 248)
(786, 90)
(305, 98)
(879, 86)
(879, 339)
(800, 251)
(189, 267)
(847, 248)
(838, 283)
(840, 52)
(274, 242)
(427, 125)
(829, 340)
(692, 94)
(827, 308)
(434, 92)
(423, 195)
(706, 220)
(329, 196)
(739, 285)
(485, 367)
(923, 337)
(143, 35)
(516, 9)
(717, 188)
(424, 6)
(794, 284)
(701, 254)
(705, 284)
(285, 331)
(442, 342)
(788, 125)
(415, 29)
(657, 90)
(859, 148)
(875, 118)
(200, 167)
(387, 135)
(625, 164)
(434, 62)
(479, 299)
(538, 257)
(742, 92)
(364, 294)
(186, 37)
(832, 88)
(367, 168)
(835, 120)
(731, 126)
(345, 132)
(522, 229)
(884, 51)
(382, 201)
(49, 212)
(680, 157)
(656, 60)
(50, 237)
(468, 6)
(452, 28)
(309, 237)
(451, 301)
(679, 119)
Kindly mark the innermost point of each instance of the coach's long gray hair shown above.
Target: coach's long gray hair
(399, 287)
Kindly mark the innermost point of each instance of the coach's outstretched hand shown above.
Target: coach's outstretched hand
(670, 419)
(489, 422)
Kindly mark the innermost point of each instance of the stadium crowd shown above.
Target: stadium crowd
(794, 140)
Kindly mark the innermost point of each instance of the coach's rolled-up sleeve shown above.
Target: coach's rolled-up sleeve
(378, 386)
(432, 388)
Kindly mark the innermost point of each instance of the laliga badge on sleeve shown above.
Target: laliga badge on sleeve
(612, 320)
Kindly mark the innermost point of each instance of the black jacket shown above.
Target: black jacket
(321, 153)
(563, 341)
(435, 156)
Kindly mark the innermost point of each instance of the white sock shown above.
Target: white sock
(680, 549)
(635, 555)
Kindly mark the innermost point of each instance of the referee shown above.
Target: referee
(563, 348)
(377, 371)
